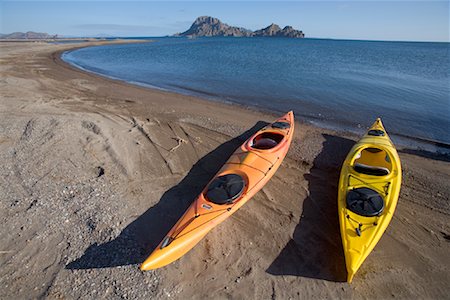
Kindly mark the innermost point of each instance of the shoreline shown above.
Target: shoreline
(402, 141)
(96, 171)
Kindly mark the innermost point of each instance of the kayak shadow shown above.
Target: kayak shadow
(140, 237)
(315, 250)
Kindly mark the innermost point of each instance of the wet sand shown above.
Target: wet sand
(95, 171)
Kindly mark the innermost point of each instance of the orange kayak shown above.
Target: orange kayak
(246, 172)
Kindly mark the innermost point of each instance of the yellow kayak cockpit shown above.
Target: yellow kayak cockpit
(370, 171)
(372, 161)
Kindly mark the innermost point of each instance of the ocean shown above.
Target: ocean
(338, 84)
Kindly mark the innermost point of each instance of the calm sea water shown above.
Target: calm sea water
(344, 84)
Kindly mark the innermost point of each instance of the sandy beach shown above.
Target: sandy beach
(95, 171)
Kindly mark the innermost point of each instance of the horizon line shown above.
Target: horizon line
(316, 38)
(108, 36)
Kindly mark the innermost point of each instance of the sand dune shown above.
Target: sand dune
(95, 172)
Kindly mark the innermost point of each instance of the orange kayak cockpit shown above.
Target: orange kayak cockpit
(272, 137)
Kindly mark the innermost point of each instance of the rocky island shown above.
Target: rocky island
(209, 26)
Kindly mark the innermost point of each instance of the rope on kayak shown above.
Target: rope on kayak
(256, 153)
(385, 192)
(360, 225)
(262, 157)
(178, 230)
(192, 219)
(241, 164)
(265, 174)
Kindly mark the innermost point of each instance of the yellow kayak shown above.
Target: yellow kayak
(369, 187)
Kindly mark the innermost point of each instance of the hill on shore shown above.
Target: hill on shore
(29, 35)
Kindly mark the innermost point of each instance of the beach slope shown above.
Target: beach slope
(94, 172)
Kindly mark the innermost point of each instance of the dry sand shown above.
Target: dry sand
(94, 172)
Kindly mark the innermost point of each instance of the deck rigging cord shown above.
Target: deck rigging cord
(359, 227)
(178, 230)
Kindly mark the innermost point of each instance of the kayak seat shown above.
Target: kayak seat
(373, 161)
(266, 143)
(266, 140)
(225, 189)
(365, 202)
(370, 170)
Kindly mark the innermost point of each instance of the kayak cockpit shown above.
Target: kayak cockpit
(266, 140)
(225, 189)
(373, 161)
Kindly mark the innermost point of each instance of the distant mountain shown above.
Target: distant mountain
(209, 26)
(30, 35)
(271, 30)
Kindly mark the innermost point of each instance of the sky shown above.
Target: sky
(368, 20)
